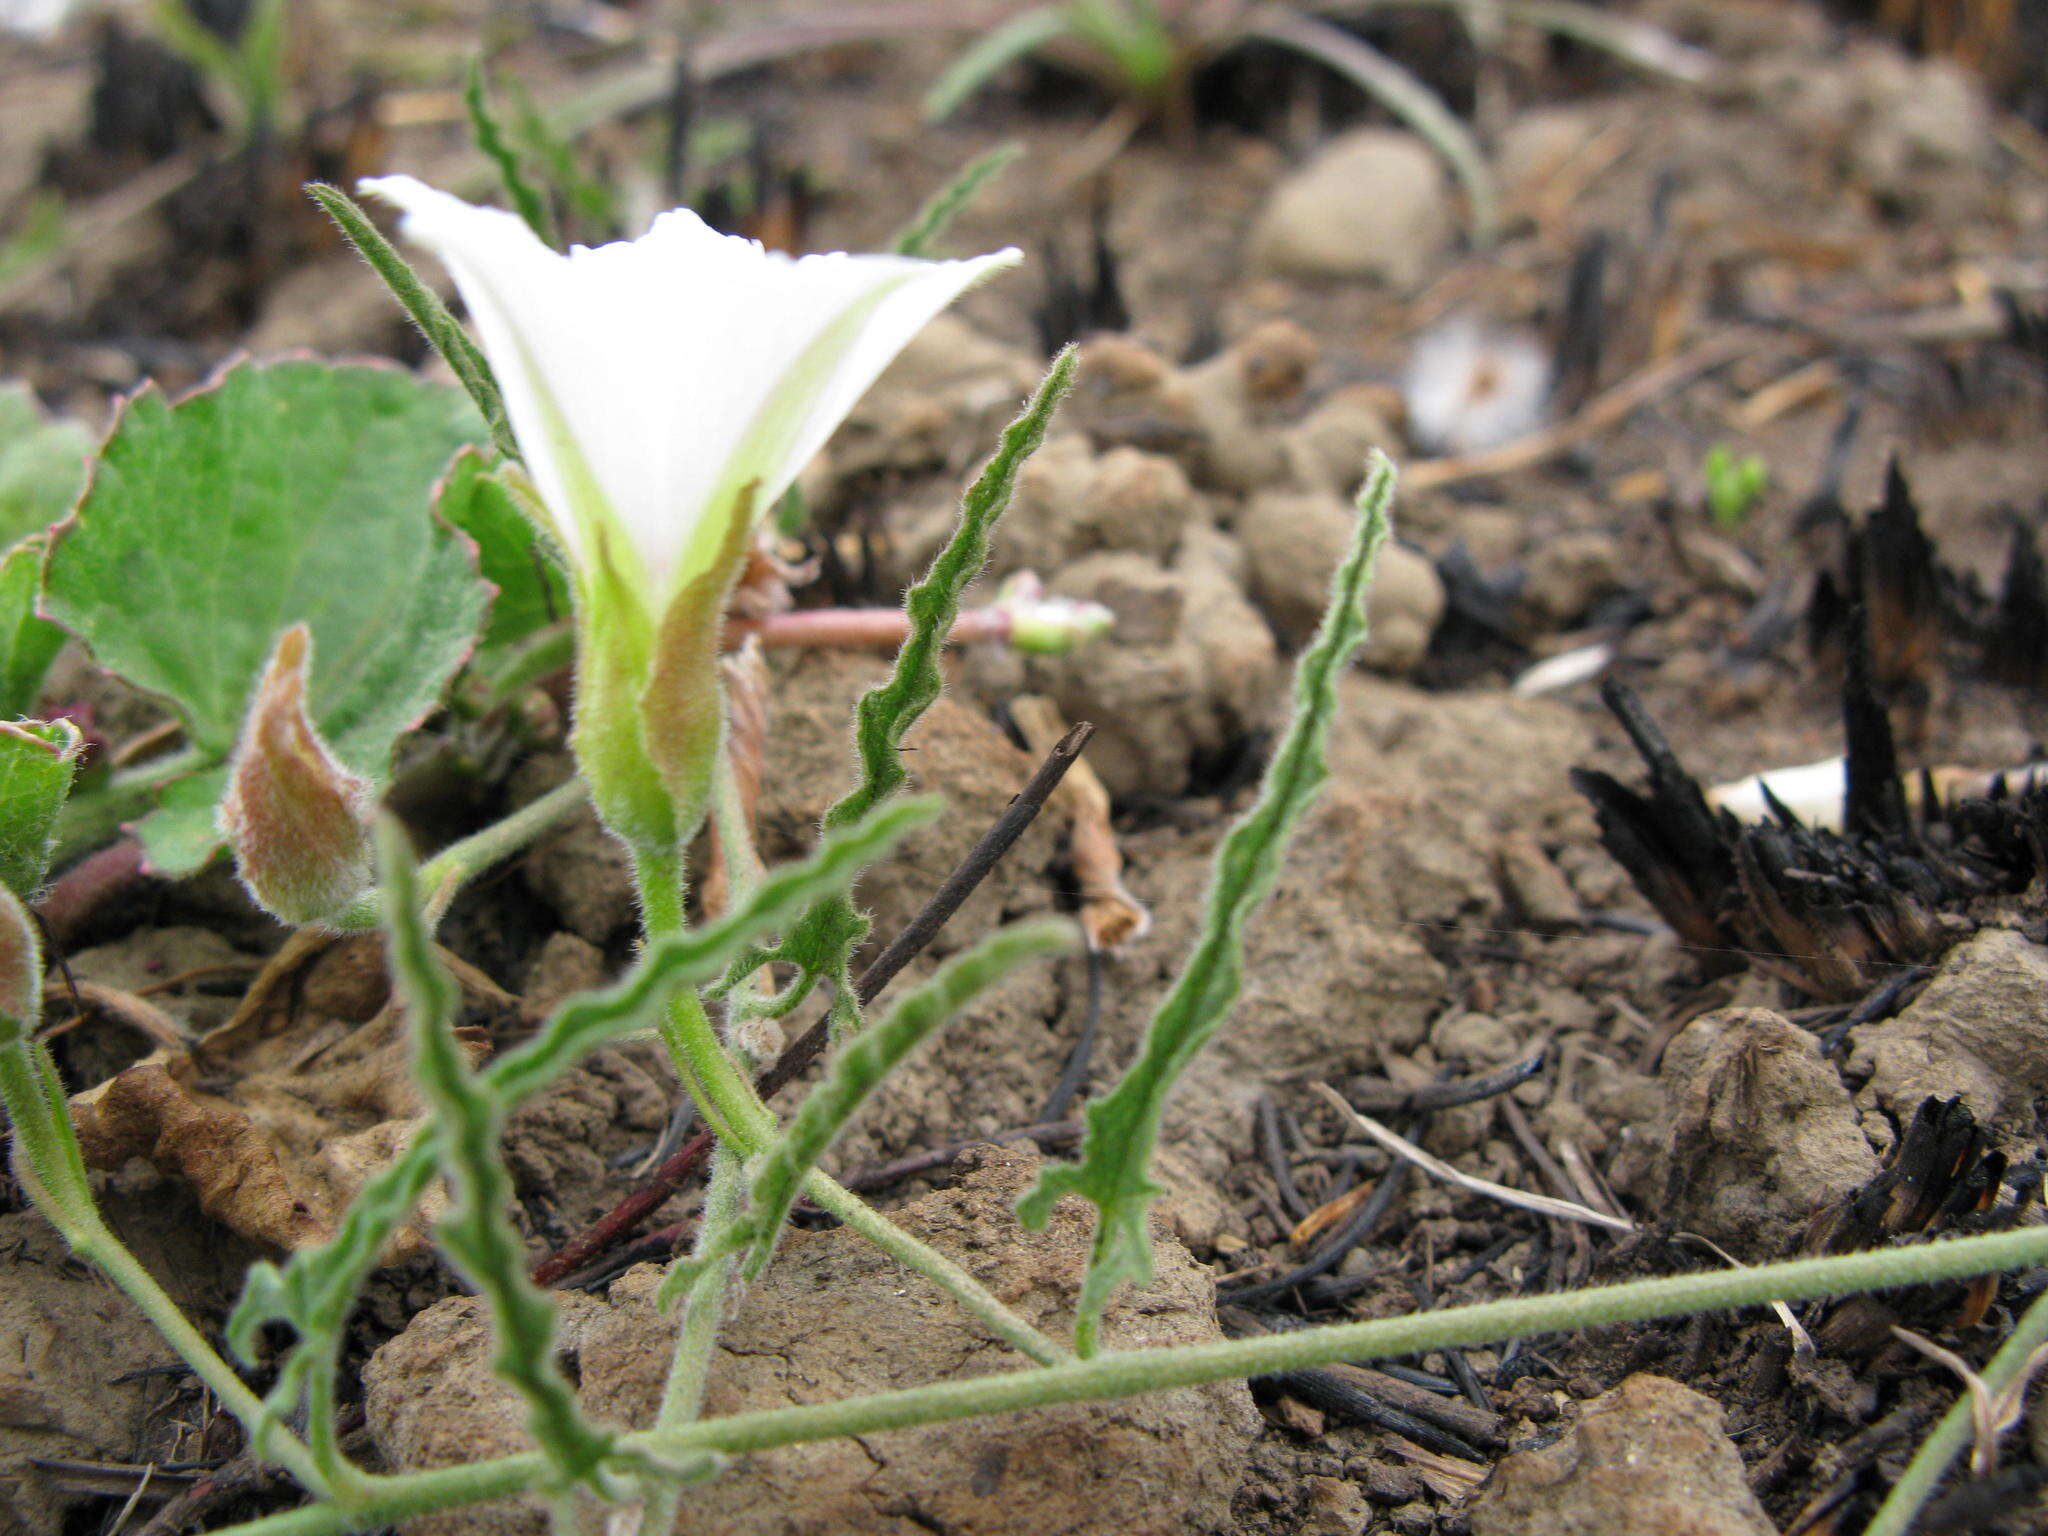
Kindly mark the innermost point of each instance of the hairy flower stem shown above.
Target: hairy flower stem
(1127, 1373)
(1931, 1462)
(682, 1397)
(444, 875)
(736, 1115)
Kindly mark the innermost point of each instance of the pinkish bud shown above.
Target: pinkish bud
(21, 970)
(296, 818)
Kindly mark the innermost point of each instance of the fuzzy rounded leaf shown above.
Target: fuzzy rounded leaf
(297, 492)
(297, 820)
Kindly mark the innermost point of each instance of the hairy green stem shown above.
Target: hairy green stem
(976, 1299)
(444, 875)
(735, 1113)
(1127, 1373)
(53, 1173)
(1931, 1462)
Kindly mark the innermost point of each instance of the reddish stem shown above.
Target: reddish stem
(858, 628)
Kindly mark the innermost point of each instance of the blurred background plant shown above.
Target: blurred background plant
(1148, 52)
(1734, 482)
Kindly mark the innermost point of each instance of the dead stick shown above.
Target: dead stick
(618, 1223)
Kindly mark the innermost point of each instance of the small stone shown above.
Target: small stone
(1535, 887)
(1188, 667)
(1372, 203)
(1759, 1134)
(585, 874)
(1335, 1508)
(567, 964)
(1649, 1456)
(1297, 1416)
(1477, 1039)
(1326, 450)
(1979, 1029)
(1137, 501)
(1567, 575)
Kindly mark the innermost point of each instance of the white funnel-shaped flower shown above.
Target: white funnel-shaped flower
(664, 393)
(649, 382)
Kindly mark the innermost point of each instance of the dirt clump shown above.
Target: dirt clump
(1189, 670)
(1372, 203)
(1761, 1133)
(276, 1117)
(1294, 540)
(834, 1317)
(1980, 1029)
(1649, 1456)
(953, 751)
(67, 1339)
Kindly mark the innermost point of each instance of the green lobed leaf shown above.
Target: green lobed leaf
(180, 836)
(511, 553)
(37, 762)
(42, 464)
(823, 942)
(28, 642)
(1123, 1124)
(922, 233)
(292, 492)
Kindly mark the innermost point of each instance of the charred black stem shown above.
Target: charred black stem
(1276, 1158)
(1356, 1229)
(882, 1175)
(974, 869)
(1075, 1072)
(1386, 1099)
(1334, 1394)
(1880, 1004)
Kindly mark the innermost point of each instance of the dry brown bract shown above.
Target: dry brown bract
(278, 1116)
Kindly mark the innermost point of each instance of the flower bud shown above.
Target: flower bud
(297, 819)
(21, 970)
(1048, 626)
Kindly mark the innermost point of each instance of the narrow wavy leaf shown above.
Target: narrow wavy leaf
(1123, 1125)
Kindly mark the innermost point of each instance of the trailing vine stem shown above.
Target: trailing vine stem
(1130, 1372)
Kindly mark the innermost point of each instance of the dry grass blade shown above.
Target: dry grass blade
(1802, 1341)
(1991, 1414)
(1546, 1205)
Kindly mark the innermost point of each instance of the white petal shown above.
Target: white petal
(668, 373)
(1811, 791)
